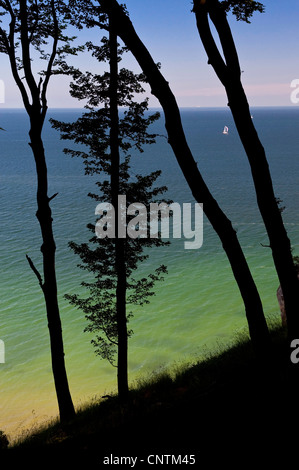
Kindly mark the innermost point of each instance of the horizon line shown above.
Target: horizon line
(157, 107)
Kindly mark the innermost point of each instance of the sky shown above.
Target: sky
(267, 49)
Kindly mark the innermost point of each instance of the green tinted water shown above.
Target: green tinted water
(196, 306)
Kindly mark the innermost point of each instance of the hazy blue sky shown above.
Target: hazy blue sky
(268, 51)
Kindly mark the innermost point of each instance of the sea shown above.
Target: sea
(196, 310)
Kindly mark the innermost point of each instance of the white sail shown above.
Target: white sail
(225, 130)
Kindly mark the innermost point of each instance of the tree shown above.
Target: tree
(242, 9)
(32, 26)
(222, 225)
(229, 72)
(112, 260)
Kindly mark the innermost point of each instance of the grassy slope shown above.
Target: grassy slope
(232, 407)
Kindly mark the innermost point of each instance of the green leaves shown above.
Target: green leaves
(92, 139)
(241, 9)
(244, 9)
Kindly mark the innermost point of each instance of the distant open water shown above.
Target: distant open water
(198, 304)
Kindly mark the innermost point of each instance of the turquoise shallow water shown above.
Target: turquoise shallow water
(198, 304)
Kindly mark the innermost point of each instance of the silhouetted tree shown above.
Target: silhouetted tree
(228, 70)
(33, 26)
(160, 88)
(242, 9)
(113, 259)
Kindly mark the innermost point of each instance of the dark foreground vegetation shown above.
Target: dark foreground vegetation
(230, 408)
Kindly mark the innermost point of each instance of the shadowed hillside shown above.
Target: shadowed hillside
(226, 408)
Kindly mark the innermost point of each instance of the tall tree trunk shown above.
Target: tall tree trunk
(120, 264)
(49, 286)
(229, 73)
(35, 103)
(159, 86)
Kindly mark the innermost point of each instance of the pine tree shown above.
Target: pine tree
(109, 137)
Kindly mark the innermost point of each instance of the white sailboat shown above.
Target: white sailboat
(225, 130)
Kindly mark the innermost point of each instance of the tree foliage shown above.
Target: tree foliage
(99, 255)
(32, 30)
(244, 9)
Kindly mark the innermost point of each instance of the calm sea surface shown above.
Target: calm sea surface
(197, 306)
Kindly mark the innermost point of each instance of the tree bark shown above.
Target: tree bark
(49, 286)
(120, 264)
(229, 73)
(35, 103)
(160, 88)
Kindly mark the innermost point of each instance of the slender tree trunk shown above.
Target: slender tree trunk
(122, 360)
(229, 73)
(120, 264)
(279, 241)
(159, 86)
(49, 286)
(35, 103)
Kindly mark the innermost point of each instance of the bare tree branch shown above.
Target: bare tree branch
(52, 197)
(10, 45)
(36, 272)
(219, 19)
(215, 58)
(26, 51)
(51, 60)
